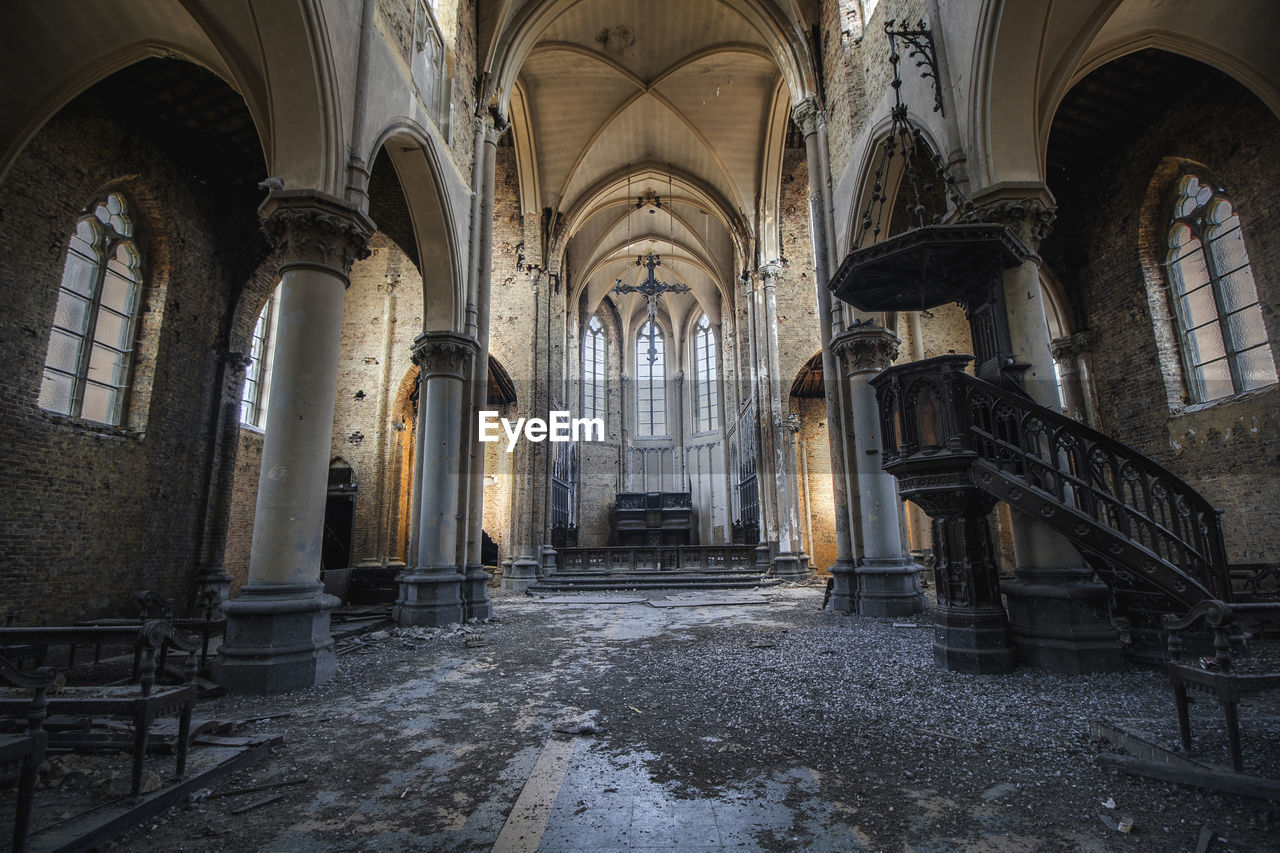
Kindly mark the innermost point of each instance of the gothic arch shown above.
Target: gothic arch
(434, 214)
(290, 89)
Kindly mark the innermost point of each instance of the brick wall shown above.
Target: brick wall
(1108, 251)
(94, 514)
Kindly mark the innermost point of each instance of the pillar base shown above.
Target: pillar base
(889, 588)
(429, 598)
(763, 556)
(844, 587)
(277, 639)
(522, 574)
(973, 640)
(213, 587)
(548, 561)
(1061, 621)
(475, 594)
(789, 567)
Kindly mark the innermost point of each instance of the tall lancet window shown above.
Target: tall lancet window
(1220, 326)
(257, 374)
(90, 355)
(651, 390)
(706, 387)
(593, 373)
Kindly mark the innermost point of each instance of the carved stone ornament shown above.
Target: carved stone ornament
(806, 114)
(445, 353)
(312, 229)
(1071, 347)
(1029, 218)
(769, 273)
(866, 348)
(492, 125)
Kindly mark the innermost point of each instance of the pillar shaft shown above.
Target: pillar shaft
(278, 628)
(213, 581)
(430, 592)
(888, 581)
(475, 589)
(1058, 612)
(788, 564)
(812, 123)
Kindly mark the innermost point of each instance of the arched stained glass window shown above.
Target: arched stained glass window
(1220, 328)
(257, 374)
(651, 399)
(593, 372)
(90, 355)
(706, 386)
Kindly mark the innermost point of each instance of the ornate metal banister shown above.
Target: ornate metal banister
(1112, 501)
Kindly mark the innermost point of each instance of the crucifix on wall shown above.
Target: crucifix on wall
(651, 288)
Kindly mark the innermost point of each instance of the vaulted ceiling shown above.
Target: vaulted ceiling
(674, 101)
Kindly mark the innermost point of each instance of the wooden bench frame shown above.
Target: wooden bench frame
(26, 750)
(1228, 687)
(141, 707)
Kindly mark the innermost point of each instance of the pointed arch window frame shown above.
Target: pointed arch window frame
(651, 388)
(594, 369)
(259, 370)
(706, 367)
(93, 339)
(1214, 316)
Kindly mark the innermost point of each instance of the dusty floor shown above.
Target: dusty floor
(770, 726)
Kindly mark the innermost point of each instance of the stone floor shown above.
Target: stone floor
(754, 722)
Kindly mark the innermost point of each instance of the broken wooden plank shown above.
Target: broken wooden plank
(266, 801)
(1140, 747)
(1224, 781)
(253, 789)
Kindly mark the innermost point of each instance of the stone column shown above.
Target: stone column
(213, 581)
(277, 635)
(812, 123)
(475, 586)
(1071, 354)
(430, 593)
(1059, 613)
(888, 581)
(787, 564)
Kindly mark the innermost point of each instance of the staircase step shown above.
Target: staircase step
(562, 582)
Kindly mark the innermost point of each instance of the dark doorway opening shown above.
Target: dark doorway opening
(339, 519)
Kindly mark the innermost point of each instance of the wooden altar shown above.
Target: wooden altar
(653, 518)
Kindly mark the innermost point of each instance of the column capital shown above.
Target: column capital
(1028, 209)
(1072, 346)
(769, 273)
(444, 353)
(807, 114)
(492, 124)
(865, 348)
(315, 230)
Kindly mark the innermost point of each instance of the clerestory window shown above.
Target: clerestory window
(90, 357)
(706, 380)
(651, 400)
(1220, 328)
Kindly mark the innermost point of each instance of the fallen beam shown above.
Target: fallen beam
(1223, 781)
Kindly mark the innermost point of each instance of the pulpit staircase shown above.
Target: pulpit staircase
(1149, 536)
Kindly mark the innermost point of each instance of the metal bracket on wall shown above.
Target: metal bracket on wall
(921, 48)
